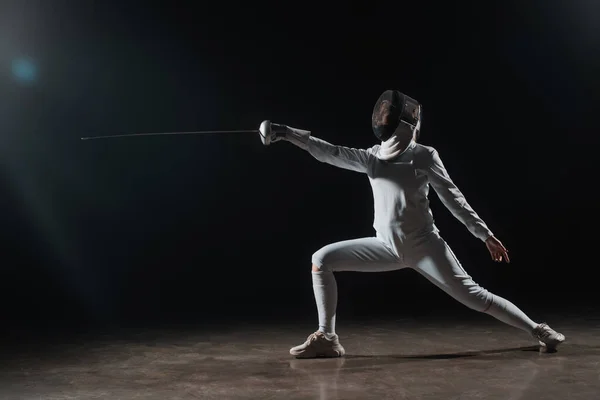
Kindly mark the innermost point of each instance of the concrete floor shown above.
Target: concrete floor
(403, 359)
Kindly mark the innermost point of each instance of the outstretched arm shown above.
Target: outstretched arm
(339, 156)
(454, 200)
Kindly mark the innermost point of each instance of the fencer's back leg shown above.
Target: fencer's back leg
(435, 261)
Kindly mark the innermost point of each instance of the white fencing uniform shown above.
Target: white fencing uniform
(406, 236)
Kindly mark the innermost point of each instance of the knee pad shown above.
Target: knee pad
(318, 262)
(322, 259)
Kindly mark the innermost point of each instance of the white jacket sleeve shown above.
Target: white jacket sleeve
(453, 198)
(339, 156)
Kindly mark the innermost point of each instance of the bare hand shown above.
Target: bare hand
(497, 249)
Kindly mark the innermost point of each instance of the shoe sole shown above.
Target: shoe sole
(305, 357)
(334, 354)
(552, 345)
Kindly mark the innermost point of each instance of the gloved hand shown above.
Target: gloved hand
(271, 133)
(279, 132)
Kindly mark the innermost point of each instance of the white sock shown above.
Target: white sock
(325, 288)
(505, 311)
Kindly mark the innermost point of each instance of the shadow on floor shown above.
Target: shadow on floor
(453, 355)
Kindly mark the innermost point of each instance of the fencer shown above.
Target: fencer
(401, 171)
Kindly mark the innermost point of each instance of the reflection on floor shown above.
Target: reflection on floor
(403, 359)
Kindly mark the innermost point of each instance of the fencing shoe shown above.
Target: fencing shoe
(547, 336)
(319, 344)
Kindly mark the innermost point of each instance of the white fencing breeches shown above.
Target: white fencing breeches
(430, 256)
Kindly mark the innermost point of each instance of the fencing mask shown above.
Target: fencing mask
(396, 114)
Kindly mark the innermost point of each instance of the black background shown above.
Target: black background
(195, 229)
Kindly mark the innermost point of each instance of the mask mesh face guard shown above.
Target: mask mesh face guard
(394, 110)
